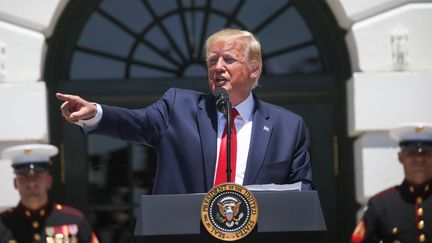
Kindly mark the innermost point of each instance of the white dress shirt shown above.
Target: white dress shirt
(243, 124)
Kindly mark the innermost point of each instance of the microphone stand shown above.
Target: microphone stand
(228, 133)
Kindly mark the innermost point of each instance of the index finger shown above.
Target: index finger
(66, 97)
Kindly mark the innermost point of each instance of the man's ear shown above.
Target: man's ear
(255, 71)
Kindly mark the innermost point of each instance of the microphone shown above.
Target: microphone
(223, 105)
(222, 100)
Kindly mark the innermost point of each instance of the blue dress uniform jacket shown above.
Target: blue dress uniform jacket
(182, 127)
(402, 214)
(23, 225)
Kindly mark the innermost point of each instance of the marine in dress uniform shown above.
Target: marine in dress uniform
(403, 214)
(37, 218)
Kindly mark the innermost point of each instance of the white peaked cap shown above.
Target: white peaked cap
(415, 131)
(30, 158)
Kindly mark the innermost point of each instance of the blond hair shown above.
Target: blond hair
(253, 50)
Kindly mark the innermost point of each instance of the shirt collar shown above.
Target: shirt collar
(245, 108)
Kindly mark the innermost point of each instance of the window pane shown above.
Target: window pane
(160, 39)
(89, 66)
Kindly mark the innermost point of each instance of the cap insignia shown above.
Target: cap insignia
(419, 129)
(27, 151)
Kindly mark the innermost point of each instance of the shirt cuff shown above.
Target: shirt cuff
(92, 123)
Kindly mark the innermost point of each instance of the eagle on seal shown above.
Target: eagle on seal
(229, 211)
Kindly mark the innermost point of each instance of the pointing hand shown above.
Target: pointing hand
(74, 108)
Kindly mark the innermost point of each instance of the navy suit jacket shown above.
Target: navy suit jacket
(182, 128)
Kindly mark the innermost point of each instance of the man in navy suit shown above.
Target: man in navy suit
(185, 128)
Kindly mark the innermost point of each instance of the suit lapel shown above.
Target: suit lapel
(207, 125)
(261, 132)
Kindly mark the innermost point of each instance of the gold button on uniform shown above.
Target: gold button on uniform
(419, 200)
(420, 225)
(42, 212)
(27, 213)
(420, 212)
(394, 230)
(36, 236)
(422, 238)
(35, 224)
(59, 207)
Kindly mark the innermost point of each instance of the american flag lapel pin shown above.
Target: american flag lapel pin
(266, 128)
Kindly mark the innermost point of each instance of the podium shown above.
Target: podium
(284, 216)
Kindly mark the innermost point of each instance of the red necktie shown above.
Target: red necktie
(221, 175)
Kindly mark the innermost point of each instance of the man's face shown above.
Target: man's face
(33, 187)
(228, 67)
(417, 166)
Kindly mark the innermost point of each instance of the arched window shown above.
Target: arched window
(164, 39)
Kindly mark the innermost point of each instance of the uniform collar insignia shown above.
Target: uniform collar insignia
(412, 192)
(39, 213)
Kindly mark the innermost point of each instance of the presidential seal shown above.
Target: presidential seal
(229, 212)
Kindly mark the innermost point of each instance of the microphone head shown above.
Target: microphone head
(221, 92)
(222, 100)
